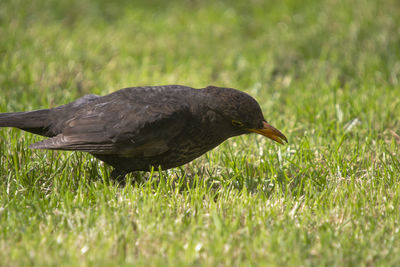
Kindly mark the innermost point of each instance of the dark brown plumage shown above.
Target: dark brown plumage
(139, 127)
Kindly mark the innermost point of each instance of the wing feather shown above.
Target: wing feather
(116, 125)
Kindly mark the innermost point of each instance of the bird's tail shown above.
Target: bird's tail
(31, 121)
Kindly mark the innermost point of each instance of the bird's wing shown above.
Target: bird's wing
(117, 126)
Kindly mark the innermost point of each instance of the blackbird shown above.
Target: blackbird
(135, 128)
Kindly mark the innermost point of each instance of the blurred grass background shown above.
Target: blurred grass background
(325, 72)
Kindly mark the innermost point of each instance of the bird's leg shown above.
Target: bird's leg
(118, 177)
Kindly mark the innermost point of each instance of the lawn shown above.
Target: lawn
(326, 73)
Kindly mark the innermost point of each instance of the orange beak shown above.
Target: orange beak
(270, 132)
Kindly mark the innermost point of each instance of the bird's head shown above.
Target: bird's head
(241, 113)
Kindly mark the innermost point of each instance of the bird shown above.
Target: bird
(137, 128)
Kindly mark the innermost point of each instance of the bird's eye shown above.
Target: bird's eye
(237, 123)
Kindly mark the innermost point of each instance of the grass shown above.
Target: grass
(325, 72)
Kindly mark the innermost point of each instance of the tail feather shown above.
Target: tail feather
(31, 121)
